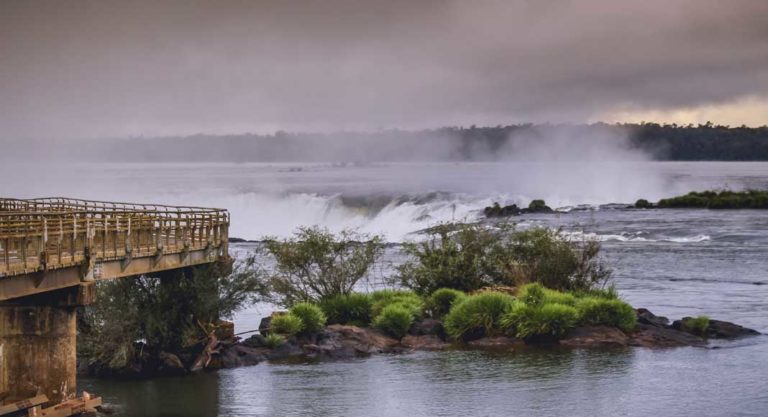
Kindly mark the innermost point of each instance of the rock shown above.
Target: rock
(595, 336)
(428, 327)
(344, 341)
(286, 350)
(264, 325)
(643, 204)
(424, 342)
(644, 316)
(255, 341)
(170, 364)
(651, 336)
(225, 330)
(236, 355)
(496, 343)
(538, 206)
(497, 211)
(726, 330)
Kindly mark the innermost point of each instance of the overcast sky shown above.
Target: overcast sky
(120, 68)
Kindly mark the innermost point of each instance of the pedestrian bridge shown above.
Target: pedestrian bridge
(48, 244)
(51, 252)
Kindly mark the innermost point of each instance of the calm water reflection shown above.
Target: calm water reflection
(626, 382)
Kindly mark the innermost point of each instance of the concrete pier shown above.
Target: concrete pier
(37, 351)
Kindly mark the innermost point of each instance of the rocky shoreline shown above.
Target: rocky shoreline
(339, 342)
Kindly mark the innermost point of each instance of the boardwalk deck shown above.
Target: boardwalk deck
(53, 243)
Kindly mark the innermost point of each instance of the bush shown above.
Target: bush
(440, 302)
(165, 310)
(643, 204)
(545, 256)
(470, 257)
(697, 326)
(477, 315)
(286, 324)
(535, 294)
(540, 322)
(394, 320)
(600, 311)
(316, 264)
(354, 308)
(407, 299)
(312, 317)
(274, 340)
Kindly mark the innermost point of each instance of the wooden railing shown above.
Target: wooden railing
(51, 233)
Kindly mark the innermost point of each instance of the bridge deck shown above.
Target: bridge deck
(52, 243)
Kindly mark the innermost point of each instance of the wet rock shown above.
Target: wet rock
(264, 325)
(286, 350)
(719, 329)
(428, 327)
(424, 342)
(237, 355)
(651, 336)
(644, 316)
(344, 341)
(496, 343)
(595, 336)
(170, 364)
(498, 211)
(538, 206)
(255, 341)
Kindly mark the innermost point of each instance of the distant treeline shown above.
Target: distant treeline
(662, 142)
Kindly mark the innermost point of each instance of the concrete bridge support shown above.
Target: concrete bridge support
(37, 351)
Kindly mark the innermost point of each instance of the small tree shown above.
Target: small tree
(468, 257)
(164, 311)
(316, 264)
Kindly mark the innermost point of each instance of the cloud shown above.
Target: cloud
(90, 68)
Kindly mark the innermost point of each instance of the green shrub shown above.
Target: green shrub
(609, 293)
(477, 315)
(643, 204)
(470, 257)
(353, 309)
(316, 264)
(697, 326)
(540, 322)
(274, 340)
(440, 302)
(312, 317)
(395, 320)
(286, 324)
(407, 299)
(600, 311)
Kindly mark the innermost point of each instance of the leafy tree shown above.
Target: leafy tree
(315, 264)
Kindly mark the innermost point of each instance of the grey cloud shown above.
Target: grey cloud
(107, 68)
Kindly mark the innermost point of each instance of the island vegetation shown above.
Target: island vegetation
(726, 199)
(465, 285)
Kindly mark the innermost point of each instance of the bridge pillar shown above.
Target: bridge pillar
(38, 344)
(37, 351)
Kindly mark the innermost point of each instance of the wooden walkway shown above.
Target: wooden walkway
(53, 243)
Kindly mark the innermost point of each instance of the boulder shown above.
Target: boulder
(237, 355)
(344, 341)
(651, 336)
(225, 330)
(170, 364)
(496, 343)
(255, 341)
(595, 336)
(428, 327)
(726, 330)
(644, 316)
(424, 342)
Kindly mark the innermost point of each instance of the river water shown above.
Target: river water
(674, 262)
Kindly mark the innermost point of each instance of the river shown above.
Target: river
(673, 262)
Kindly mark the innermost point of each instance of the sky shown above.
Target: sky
(103, 68)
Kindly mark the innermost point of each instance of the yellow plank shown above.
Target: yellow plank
(22, 405)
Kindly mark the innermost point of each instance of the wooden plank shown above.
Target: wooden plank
(22, 405)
